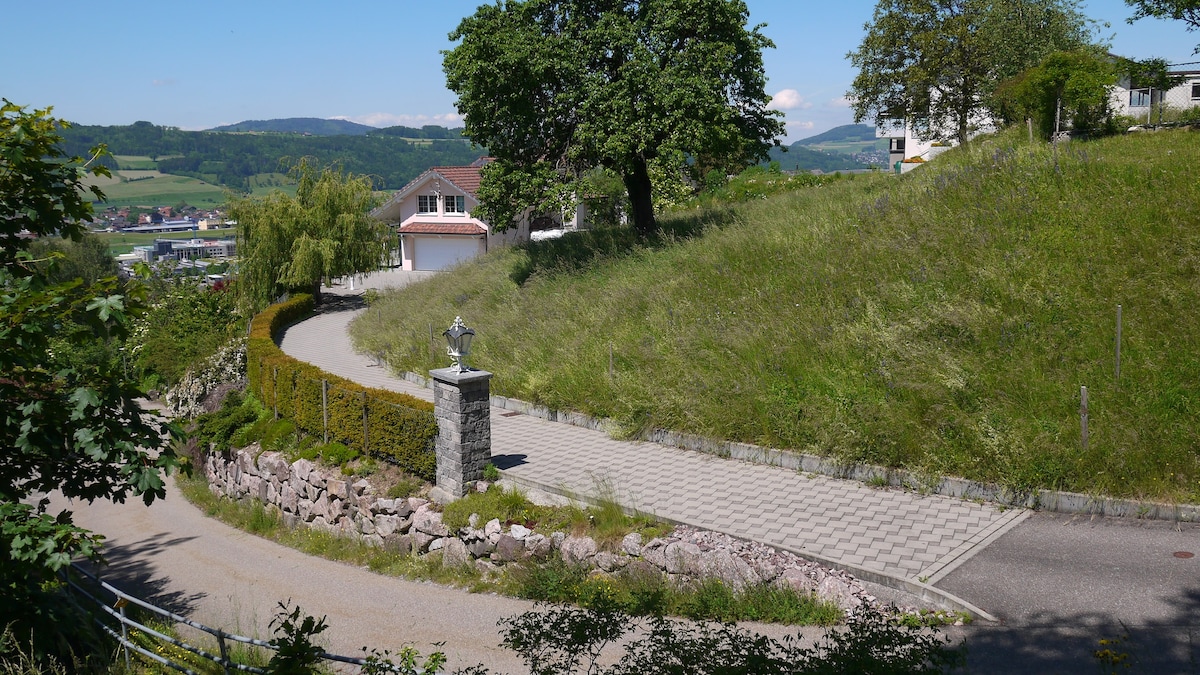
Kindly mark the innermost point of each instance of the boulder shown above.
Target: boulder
(480, 547)
(275, 465)
(387, 506)
(508, 549)
(492, 528)
(385, 525)
(682, 558)
(399, 543)
(455, 553)
(538, 546)
(610, 562)
(797, 580)
(578, 550)
(632, 544)
(654, 552)
(373, 540)
(429, 521)
(336, 488)
(519, 532)
(839, 592)
(730, 569)
(420, 541)
(439, 543)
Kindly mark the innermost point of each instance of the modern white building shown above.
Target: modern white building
(1128, 98)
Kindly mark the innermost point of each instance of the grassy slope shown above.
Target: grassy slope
(942, 321)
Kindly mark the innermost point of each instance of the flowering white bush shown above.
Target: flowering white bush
(227, 365)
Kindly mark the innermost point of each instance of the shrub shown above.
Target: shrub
(336, 454)
(398, 427)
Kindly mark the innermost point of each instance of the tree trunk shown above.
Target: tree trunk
(637, 184)
(316, 292)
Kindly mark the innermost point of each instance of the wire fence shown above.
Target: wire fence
(116, 622)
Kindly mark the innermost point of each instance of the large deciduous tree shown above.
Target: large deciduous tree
(557, 88)
(293, 243)
(67, 423)
(936, 63)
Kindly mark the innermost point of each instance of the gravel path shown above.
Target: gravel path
(174, 556)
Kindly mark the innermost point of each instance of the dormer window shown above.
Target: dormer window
(455, 204)
(427, 204)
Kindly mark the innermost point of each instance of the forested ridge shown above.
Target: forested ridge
(392, 157)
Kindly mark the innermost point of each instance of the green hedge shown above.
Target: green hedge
(398, 427)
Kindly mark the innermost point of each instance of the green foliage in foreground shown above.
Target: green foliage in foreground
(942, 321)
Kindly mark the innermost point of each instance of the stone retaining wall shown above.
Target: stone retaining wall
(311, 496)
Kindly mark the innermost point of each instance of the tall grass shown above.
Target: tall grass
(942, 321)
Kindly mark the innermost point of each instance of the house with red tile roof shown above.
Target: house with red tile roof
(432, 215)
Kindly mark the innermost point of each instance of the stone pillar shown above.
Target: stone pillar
(462, 404)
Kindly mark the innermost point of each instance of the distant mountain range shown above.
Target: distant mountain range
(313, 126)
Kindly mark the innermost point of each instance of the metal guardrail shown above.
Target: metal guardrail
(116, 610)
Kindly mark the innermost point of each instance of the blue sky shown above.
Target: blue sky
(198, 65)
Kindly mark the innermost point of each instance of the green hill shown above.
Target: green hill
(233, 160)
(800, 158)
(300, 125)
(941, 321)
(846, 132)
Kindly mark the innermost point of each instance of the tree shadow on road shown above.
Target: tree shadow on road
(127, 568)
(1068, 643)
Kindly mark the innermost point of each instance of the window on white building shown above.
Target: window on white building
(426, 203)
(1139, 98)
(455, 204)
(1196, 91)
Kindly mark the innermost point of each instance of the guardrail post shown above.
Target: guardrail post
(124, 634)
(224, 650)
(462, 405)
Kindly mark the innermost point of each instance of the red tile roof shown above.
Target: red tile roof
(466, 178)
(443, 228)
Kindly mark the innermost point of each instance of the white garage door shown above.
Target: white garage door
(436, 253)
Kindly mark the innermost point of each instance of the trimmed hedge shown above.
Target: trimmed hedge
(394, 426)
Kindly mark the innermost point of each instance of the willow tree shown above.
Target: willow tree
(290, 243)
(937, 63)
(555, 89)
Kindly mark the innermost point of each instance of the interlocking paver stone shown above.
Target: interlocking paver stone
(891, 531)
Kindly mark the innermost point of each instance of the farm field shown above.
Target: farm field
(162, 189)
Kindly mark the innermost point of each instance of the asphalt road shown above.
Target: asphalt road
(1061, 583)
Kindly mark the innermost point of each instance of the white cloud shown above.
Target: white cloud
(800, 124)
(841, 102)
(788, 99)
(381, 119)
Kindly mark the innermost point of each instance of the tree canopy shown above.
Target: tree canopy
(937, 63)
(69, 420)
(325, 231)
(557, 88)
(1070, 87)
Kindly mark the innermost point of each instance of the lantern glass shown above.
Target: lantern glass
(458, 344)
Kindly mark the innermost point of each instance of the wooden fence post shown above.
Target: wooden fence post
(366, 446)
(325, 408)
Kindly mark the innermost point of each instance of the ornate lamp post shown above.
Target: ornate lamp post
(461, 402)
(458, 345)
